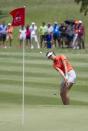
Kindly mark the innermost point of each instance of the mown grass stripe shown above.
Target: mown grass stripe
(39, 67)
(37, 61)
(34, 80)
(36, 73)
(37, 57)
(40, 77)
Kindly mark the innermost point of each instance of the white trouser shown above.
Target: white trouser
(74, 43)
(22, 37)
(71, 76)
(34, 37)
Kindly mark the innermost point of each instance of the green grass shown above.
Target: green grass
(43, 107)
(56, 119)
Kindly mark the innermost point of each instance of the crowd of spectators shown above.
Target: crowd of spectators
(69, 34)
(6, 34)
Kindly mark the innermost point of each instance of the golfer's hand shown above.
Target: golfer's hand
(66, 82)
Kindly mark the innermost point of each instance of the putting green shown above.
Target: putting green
(44, 118)
(56, 118)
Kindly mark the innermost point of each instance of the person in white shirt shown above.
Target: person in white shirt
(22, 35)
(34, 37)
(49, 28)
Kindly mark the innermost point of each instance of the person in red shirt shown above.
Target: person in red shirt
(63, 66)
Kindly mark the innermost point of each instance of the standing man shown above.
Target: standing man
(63, 66)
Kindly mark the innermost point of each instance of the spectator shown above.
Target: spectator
(22, 35)
(3, 33)
(56, 34)
(42, 33)
(62, 34)
(81, 35)
(9, 34)
(28, 36)
(75, 38)
(49, 28)
(0, 35)
(69, 34)
(34, 37)
(49, 40)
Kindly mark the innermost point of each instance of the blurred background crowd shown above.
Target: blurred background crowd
(69, 34)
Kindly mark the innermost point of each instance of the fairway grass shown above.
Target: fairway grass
(43, 107)
(10, 117)
(56, 118)
(44, 118)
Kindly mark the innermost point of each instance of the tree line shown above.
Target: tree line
(84, 6)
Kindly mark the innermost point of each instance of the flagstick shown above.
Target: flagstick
(23, 87)
(20, 13)
(23, 99)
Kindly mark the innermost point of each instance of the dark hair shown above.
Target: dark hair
(50, 51)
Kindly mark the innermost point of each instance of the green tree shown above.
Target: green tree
(84, 6)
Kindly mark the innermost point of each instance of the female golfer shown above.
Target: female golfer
(63, 66)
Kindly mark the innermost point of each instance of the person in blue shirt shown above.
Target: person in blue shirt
(3, 33)
(49, 40)
(56, 34)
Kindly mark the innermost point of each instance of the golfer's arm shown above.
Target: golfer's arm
(61, 72)
(65, 67)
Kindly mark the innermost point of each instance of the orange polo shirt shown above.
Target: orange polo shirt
(58, 62)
